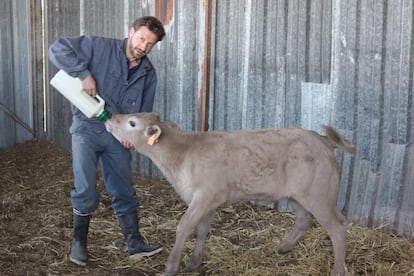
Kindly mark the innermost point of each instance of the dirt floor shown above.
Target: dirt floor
(36, 227)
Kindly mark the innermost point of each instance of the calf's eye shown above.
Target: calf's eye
(132, 123)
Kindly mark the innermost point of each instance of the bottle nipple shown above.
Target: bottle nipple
(104, 115)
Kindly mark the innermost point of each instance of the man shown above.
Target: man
(122, 74)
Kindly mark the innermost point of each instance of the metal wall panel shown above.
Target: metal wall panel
(16, 106)
(61, 19)
(105, 18)
(7, 138)
(373, 86)
(263, 52)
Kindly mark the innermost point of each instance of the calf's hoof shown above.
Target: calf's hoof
(285, 248)
(169, 273)
(191, 266)
(339, 270)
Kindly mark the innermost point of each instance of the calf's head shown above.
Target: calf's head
(137, 128)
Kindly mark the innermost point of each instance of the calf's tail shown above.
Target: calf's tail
(337, 141)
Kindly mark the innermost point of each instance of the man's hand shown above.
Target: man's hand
(89, 85)
(127, 145)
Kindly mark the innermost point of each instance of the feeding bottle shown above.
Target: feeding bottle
(71, 88)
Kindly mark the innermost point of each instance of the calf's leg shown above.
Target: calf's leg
(302, 222)
(202, 231)
(337, 232)
(334, 222)
(191, 218)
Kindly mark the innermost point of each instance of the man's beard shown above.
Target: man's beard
(136, 55)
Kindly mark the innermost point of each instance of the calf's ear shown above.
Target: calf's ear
(153, 133)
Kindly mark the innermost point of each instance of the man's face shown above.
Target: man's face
(140, 42)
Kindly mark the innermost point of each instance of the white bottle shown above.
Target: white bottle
(71, 88)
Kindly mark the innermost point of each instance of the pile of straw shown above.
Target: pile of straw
(36, 227)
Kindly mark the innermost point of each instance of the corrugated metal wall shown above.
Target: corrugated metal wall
(16, 108)
(373, 89)
(263, 52)
(279, 63)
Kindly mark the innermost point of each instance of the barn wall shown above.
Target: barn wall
(348, 63)
(263, 52)
(372, 85)
(16, 99)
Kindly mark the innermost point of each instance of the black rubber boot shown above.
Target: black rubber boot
(137, 248)
(79, 251)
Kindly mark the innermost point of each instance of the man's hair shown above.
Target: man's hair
(152, 23)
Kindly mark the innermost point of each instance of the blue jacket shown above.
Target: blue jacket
(105, 59)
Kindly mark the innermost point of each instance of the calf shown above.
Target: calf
(209, 169)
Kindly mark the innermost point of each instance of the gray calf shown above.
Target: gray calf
(210, 169)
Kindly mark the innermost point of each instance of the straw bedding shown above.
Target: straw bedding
(36, 227)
